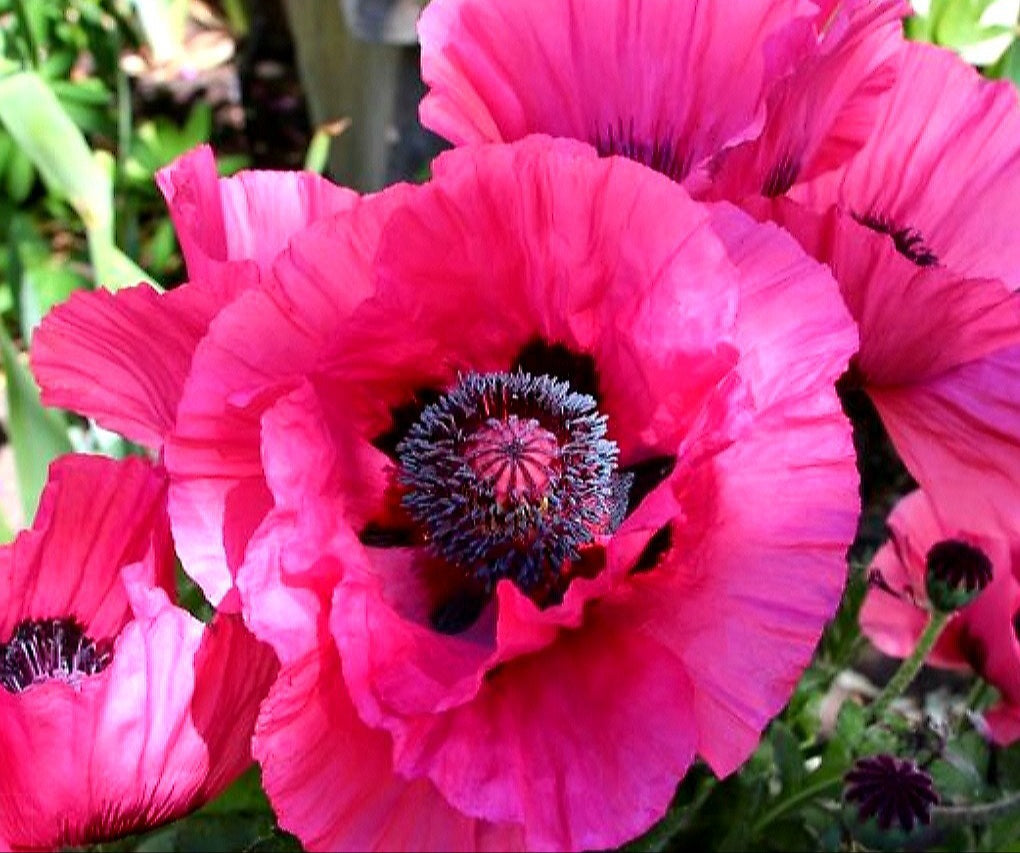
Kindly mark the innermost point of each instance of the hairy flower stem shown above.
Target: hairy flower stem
(909, 668)
(981, 813)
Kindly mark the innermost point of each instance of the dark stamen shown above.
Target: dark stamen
(908, 241)
(555, 360)
(781, 177)
(662, 152)
(50, 649)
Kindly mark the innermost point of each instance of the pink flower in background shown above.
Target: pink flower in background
(541, 490)
(122, 358)
(821, 114)
(939, 358)
(980, 637)
(118, 710)
(791, 87)
(940, 175)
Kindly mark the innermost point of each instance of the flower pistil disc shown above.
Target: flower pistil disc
(509, 474)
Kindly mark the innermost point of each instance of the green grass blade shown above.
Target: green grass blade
(38, 435)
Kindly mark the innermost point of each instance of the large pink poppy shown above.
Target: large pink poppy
(940, 175)
(539, 490)
(939, 358)
(980, 637)
(791, 85)
(118, 710)
(122, 358)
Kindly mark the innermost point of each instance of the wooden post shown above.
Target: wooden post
(359, 59)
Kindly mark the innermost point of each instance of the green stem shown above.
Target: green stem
(909, 668)
(977, 695)
(980, 813)
(793, 801)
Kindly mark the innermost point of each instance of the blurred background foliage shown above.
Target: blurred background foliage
(97, 95)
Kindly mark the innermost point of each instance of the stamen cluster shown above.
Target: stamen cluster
(509, 475)
(50, 649)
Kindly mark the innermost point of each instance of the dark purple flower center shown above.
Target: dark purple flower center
(509, 475)
(908, 241)
(889, 789)
(50, 650)
(781, 176)
(663, 152)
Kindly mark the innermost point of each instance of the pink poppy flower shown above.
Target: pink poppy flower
(980, 637)
(118, 710)
(122, 358)
(939, 358)
(821, 114)
(940, 175)
(792, 86)
(556, 496)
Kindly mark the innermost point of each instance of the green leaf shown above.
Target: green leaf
(786, 751)
(851, 723)
(1008, 67)
(198, 127)
(6, 534)
(32, 114)
(20, 176)
(38, 435)
(42, 287)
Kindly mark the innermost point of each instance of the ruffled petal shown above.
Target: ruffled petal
(95, 517)
(959, 435)
(122, 358)
(330, 778)
(603, 257)
(669, 84)
(943, 163)
(761, 528)
(248, 217)
(589, 791)
(937, 353)
(824, 111)
(953, 320)
(257, 351)
(233, 674)
(316, 476)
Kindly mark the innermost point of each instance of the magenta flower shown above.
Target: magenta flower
(940, 175)
(939, 357)
(734, 100)
(97, 353)
(118, 710)
(538, 482)
(981, 636)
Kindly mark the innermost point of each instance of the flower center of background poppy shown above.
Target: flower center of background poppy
(509, 475)
(662, 152)
(908, 241)
(50, 650)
